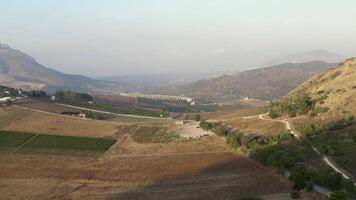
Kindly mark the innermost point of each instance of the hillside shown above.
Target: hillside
(19, 70)
(334, 89)
(319, 54)
(264, 83)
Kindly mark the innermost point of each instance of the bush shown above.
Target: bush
(197, 118)
(291, 106)
(339, 195)
(295, 195)
(250, 198)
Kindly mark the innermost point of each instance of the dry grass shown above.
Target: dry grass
(187, 169)
(337, 84)
(16, 119)
(256, 126)
(154, 174)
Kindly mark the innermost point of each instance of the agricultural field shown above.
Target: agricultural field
(191, 169)
(128, 110)
(154, 134)
(53, 142)
(13, 139)
(21, 120)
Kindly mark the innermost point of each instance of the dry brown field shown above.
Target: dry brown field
(184, 169)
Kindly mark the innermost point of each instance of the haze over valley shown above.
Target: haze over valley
(178, 100)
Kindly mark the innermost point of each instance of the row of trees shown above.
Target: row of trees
(70, 96)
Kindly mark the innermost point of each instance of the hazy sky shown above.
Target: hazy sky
(113, 37)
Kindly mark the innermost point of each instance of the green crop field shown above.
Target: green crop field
(54, 142)
(154, 135)
(71, 143)
(13, 139)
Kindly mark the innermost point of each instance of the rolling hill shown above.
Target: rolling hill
(319, 54)
(264, 83)
(334, 88)
(19, 70)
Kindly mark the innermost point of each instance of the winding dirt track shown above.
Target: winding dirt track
(326, 159)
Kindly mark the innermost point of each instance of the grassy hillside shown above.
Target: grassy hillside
(334, 89)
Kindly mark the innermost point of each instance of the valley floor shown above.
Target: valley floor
(184, 169)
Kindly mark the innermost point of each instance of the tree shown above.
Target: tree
(197, 117)
(8, 102)
(339, 195)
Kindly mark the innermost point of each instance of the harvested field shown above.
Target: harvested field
(256, 126)
(220, 175)
(183, 169)
(20, 120)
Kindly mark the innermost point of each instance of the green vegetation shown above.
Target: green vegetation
(291, 106)
(69, 143)
(8, 102)
(304, 166)
(11, 91)
(150, 134)
(295, 195)
(36, 93)
(10, 139)
(236, 139)
(340, 144)
(122, 110)
(314, 129)
(251, 198)
(92, 115)
(70, 96)
(339, 195)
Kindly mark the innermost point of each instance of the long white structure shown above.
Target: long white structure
(159, 97)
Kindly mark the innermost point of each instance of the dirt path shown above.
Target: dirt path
(326, 159)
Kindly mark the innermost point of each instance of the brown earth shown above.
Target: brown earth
(190, 170)
(185, 169)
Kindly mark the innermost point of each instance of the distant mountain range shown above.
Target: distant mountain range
(19, 70)
(265, 83)
(158, 80)
(319, 55)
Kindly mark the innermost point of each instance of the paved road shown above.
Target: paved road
(111, 113)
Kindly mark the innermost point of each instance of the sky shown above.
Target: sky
(120, 37)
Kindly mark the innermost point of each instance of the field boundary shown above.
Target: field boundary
(22, 145)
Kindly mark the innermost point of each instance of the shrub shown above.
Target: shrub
(197, 117)
(250, 198)
(339, 195)
(295, 195)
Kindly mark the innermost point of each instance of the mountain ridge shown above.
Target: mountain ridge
(18, 69)
(264, 83)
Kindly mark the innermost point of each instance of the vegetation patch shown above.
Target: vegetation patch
(154, 135)
(245, 142)
(291, 106)
(70, 143)
(121, 109)
(10, 139)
